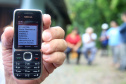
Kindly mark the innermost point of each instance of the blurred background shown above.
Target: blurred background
(94, 53)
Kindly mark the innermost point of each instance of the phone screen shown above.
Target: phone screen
(27, 31)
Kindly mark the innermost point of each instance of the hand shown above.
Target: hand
(53, 51)
(88, 41)
(70, 45)
(102, 38)
(75, 48)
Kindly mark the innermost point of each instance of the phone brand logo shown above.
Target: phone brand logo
(28, 17)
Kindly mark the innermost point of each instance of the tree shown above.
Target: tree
(85, 13)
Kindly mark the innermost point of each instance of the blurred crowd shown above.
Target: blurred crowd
(114, 36)
(74, 42)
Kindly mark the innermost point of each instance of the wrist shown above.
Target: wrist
(9, 79)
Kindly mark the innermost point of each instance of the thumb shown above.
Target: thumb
(7, 38)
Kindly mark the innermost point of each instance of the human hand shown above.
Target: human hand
(53, 51)
(70, 45)
(89, 42)
(102, 38)
(75, 48)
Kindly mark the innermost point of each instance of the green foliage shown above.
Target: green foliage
(85, 13)
(114, 4)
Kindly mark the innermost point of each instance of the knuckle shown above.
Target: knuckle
(58, 27)
(58, 45)
(62, 31)
(64, 57)
(65, 44)
(55, 45)
(59, 31)
(57, 57)
(60, 57)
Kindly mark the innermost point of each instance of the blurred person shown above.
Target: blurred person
(104, 40)
(113, 35)
(74, 42)
(88, 40)
(53, 47)
(123, 42)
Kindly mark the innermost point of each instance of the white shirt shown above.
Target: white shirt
(2, 77)
(86, 38)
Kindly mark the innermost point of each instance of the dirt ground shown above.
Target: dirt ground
(100, 72)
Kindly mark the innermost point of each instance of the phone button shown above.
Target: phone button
(35, 75)
(19, 63)
(19, 71)
(18, 56)
(27, 56)
(36, 71)
(27, 75)
(19, 75)
(19, 67)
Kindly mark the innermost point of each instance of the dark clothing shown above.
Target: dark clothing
(123, 32)
(105, 41)
(68, 50)
(104, 44)
(123, 47)
(104, 47)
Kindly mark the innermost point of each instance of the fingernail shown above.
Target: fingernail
(7, 28)
(45, 47)
(45, 57)
(46, 15)
(47, 36)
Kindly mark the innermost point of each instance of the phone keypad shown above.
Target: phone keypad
(27, 69)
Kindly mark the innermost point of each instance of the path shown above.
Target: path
(101, 72)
